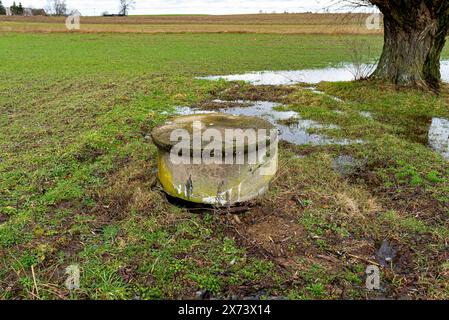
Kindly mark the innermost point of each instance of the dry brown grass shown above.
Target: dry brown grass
(304, 23)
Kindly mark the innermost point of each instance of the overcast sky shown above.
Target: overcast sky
(89, 7)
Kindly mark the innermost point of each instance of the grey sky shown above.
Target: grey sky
(88, 7)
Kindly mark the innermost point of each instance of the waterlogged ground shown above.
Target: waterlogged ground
(78, 184)
(295, 130)
(344, 72)
(292, 128)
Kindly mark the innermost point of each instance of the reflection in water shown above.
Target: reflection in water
(289, 77)
(439, 136)
(343, 73)
(297, 131)
(292, 128)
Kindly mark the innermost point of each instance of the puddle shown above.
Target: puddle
(344, 72)
(439, 136)
(295, 130)
(315, 90)
(292, 128)
(312, 76)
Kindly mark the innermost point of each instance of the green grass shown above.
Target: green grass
(77, 181)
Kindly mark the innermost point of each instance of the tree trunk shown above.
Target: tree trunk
(414, 39)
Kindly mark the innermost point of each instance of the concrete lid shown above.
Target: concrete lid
(220, 121)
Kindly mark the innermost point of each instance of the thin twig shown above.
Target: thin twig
(363, 259)
(34, 281)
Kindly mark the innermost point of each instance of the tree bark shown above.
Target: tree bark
(414, 36)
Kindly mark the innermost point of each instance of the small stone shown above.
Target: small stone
(202, 295)
(386, 253)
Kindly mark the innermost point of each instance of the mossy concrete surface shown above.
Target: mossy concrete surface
(219, 183)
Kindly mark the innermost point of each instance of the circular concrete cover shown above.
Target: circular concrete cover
(218, 121)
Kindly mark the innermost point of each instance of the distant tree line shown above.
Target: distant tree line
(54, 7)
(16, 10)
(59, 8)
(124, 7)
(19, 10)
(2, 9)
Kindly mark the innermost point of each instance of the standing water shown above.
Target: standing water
(297, 132)
(439, 136)
(292, 128)
(332, 74)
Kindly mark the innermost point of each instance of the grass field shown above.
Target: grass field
(255, 23)
(78, 186)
